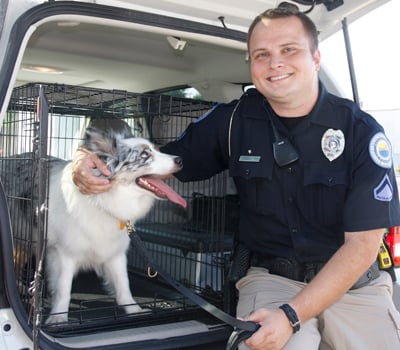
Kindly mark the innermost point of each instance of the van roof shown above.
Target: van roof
(105, 47)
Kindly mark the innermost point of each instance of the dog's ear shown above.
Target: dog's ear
(100, 142)
(118, 126)
(104, 144)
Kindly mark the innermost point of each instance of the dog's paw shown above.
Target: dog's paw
(134, 309)
(57, 318)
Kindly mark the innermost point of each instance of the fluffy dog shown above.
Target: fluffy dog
(86, 232)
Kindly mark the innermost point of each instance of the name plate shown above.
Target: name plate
(252, 159)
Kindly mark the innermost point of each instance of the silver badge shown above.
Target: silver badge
(332, 144)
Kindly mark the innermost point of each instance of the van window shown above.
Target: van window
(179, 91)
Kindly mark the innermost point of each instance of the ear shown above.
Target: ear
(317, 60)
(104, 145)
(100, 142)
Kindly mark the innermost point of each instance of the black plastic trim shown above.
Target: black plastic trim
(5, 247)
(7, 259)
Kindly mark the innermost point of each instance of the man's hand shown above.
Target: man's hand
(274, 333)
(82, 166)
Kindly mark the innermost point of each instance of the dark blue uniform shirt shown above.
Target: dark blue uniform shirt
(343, 181)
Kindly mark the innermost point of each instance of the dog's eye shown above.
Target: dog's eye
(146, 153)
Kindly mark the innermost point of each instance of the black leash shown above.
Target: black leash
(242, 329)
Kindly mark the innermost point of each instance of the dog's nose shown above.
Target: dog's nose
(178, 161)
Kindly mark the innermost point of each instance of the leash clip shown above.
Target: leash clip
(129, 227)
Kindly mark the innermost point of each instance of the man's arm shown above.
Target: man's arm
(356, 255)
(83, 164)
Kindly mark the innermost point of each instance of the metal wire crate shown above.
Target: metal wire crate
(46, 122)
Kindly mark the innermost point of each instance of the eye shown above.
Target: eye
(145, 154)
(260, 55)
(289, 49)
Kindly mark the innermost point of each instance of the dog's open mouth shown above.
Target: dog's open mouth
(160, 189)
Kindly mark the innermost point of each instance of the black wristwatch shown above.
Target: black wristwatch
(292, 316)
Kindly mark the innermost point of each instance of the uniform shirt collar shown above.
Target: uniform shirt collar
(321, 113)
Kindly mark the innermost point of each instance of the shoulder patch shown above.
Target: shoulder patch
(384, 191)
(380, 150)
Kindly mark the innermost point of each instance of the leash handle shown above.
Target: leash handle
(238, 335)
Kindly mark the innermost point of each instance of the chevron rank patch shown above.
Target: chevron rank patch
(384, 191)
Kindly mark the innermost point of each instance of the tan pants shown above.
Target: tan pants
(363, 319)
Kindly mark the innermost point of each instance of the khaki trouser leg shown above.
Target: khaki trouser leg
(374, 323)
(363, 319)
(261, 289)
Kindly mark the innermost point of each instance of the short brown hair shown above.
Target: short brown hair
(283, 12)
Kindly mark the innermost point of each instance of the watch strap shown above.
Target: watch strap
(292, 316)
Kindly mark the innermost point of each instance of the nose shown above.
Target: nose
(178, 161)
(276, 61)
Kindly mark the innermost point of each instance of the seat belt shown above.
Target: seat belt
(241, 329)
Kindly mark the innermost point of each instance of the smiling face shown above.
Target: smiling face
(283, 66)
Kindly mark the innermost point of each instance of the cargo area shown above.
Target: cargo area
(45, 123)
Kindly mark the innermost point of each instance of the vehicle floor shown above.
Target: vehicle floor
(92, 307)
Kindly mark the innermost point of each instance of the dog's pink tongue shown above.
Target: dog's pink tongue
(161, 189)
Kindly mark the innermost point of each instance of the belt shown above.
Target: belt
(289, 268)
(305, 272)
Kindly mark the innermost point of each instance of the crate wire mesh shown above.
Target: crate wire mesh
(194, 246)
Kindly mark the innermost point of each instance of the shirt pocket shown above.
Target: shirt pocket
(252, 179)
(324, 193)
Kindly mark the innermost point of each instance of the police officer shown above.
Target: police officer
(317, 188)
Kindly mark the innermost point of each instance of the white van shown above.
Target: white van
(157, 65)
